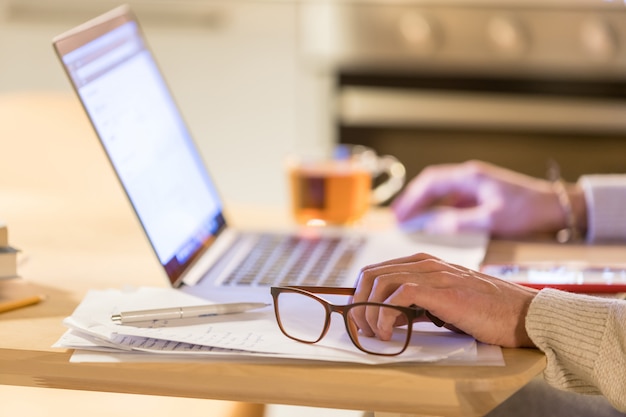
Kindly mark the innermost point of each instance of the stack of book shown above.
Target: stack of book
(8, 254)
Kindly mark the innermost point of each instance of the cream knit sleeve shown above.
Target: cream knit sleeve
(605, 196)
(584, 339)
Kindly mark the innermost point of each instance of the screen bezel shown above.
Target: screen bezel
(92, 30)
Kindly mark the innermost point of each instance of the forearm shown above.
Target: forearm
(584, 339)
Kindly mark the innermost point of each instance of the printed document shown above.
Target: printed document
(250, 334)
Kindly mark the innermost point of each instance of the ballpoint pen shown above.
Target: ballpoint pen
(173, 313)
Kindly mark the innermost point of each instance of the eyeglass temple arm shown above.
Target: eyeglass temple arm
(325, 290)
(350, 291)
(436, 320)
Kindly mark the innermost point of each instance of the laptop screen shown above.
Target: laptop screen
(146, 140)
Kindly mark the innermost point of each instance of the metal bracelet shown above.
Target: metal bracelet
(571, 232)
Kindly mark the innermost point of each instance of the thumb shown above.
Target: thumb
(449, 220)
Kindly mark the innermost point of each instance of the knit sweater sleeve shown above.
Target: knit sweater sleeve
(605, 197)
(584, 339)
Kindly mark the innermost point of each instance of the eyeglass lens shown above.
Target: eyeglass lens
(304, 318)
(373, 344)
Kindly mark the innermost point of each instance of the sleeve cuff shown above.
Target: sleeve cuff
(568, 328)
(605, 197)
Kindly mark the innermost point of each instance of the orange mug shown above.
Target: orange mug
(337, 189)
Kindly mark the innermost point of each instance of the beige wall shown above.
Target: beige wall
(232, 66)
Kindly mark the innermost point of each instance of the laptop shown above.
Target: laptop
(175, 198)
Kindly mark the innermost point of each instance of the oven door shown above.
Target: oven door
(517, 123)
(514, 83)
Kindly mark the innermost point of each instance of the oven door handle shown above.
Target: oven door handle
(386, 107)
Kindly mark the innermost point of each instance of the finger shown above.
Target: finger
(465, 303)
(450, 220)
(366, 277)
(367, 319)
(377, 283)
(426, 190)
(416, 257)
(384, 323)
(418, 223)
(380, 322)
(436, 290)
(386, 319)
(423, 191)
(437, 300)
(418, 264)
(371, 318)
(380, 275)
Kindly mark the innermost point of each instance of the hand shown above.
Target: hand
(489, 309)
(478, 196)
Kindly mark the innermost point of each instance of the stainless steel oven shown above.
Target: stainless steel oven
(514, 82)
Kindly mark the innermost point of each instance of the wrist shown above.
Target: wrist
(571, 200)
(579, 206)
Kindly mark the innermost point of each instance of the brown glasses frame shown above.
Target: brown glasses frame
(411, 313)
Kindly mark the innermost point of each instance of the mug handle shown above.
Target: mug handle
(395, 172)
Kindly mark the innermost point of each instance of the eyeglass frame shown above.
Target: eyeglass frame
(411, 313)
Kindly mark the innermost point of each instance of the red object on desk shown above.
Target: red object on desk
(566, 277)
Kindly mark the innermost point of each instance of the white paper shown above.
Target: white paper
(486, 355)
(253, 333)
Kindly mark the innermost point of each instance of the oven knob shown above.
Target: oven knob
(418, 31)
(507, 36)
(598, 39)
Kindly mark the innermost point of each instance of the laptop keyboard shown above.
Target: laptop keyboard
(288, 260)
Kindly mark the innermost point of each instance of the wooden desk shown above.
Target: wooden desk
(67, 212)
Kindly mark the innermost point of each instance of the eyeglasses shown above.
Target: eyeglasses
(305, 317)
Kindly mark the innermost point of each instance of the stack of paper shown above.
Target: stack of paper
(244, 335)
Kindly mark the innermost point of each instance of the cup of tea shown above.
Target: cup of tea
(339, 187)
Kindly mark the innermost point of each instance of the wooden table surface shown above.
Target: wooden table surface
(67, 213)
